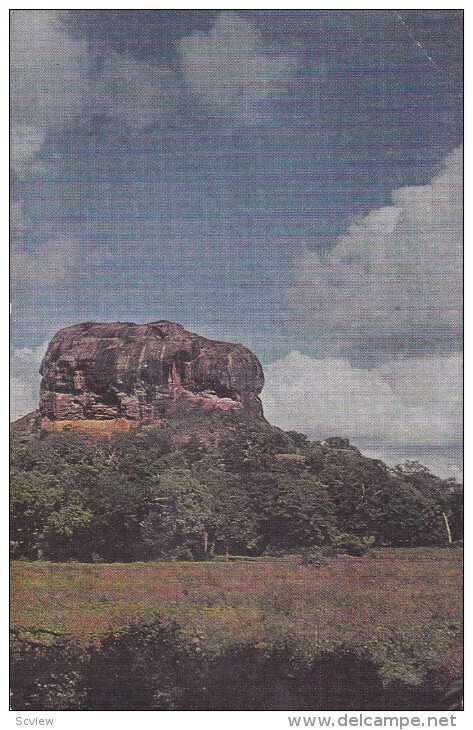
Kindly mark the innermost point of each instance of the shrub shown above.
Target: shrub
(150, 666)
(349, 545)
(46, 672)
(314, 558)
(144, 666)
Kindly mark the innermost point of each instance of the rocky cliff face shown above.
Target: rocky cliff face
(146, 373)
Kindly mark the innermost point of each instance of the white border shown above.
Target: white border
(207, 720)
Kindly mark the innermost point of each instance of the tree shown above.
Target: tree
(65, 529)
(233, 527)
(33, 498)
(179, 522)
(291, 512)
(444, 495)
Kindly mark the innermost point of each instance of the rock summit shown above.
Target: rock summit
(146, 374)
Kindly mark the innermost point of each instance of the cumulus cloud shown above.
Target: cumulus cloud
(415, 400)
(131, 90)
(53, 262)
(394, 281)
(55, 77)
(19, 221)
(30, 355)
(230, 68)
(48, 67)
(60, 260)
(26, 141)
(24, 396)
(25, 379)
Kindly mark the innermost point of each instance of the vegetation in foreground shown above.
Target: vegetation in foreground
(363, 612)
(378, 632)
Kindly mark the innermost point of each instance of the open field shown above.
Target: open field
(403, 607)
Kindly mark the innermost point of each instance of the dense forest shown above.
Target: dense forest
(139, 497)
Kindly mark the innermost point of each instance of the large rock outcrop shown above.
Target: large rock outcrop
(145, 373)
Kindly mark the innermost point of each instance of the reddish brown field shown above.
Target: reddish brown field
(402, 606)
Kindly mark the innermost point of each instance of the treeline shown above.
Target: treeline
(138, 497)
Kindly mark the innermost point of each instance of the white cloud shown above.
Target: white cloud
(19, 221)
(131, 90)
(30, 355)
(25, 379)
(51, 263)
(60, 260)
(54, 78)
(229, 67)
(24, 397)
(26, 141)
(403, 403)
(395, 279)
(48, 68)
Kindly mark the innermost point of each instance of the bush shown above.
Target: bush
(141, 667)
(314, 558)
(345, 544)
(150, 666)
(46, 672)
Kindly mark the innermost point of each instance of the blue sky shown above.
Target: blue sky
(287, 179)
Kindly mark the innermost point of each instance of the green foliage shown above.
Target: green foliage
(152, 666)
(313, 557)
(71, 500)
(233, 527)
(140, 667)
(292, 513)
(349, 545)
(139, 497)
(34, 496)
(46, 672)
(178, 525)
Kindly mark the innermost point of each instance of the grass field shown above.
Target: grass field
(403, 607)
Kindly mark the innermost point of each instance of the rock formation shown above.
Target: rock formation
(145, 373)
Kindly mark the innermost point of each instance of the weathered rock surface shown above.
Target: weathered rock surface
(145, 373)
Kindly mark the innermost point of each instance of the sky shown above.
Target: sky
(290, 180)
